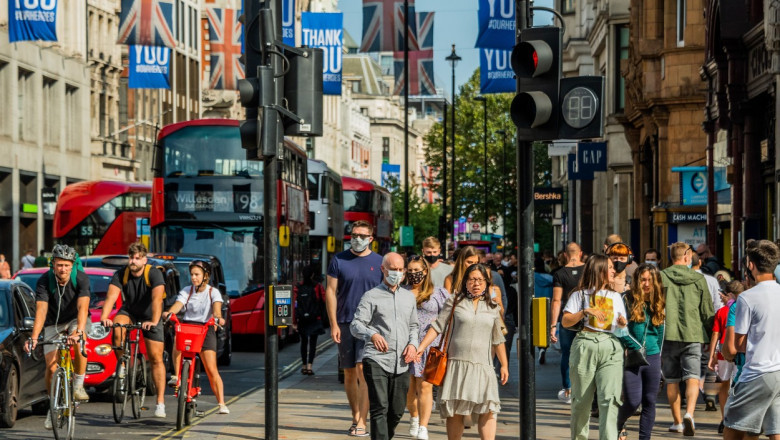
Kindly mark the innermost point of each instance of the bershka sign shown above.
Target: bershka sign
(548, 196)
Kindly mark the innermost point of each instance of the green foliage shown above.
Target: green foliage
(423, 217)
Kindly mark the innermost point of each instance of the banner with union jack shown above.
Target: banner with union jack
(429, 177)
(225, 43)
(383, 26)
(420, 61)
(146, 23)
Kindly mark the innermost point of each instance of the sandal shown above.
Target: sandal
(310, 372)
(623, 435)
(352, 429)
(304, 371)
(360, 432)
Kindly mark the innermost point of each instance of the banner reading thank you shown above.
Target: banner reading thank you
(325, 31)
(30, 20)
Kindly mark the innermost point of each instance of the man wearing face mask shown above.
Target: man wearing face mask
(431, 248)
(386, 319)
(688, 311)
(350, 275)
(652, 257)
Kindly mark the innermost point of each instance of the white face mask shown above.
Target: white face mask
(394, 277)
(654, 263)
(359, 244)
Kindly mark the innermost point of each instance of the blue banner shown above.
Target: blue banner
(576, 172)
(495, 71)
(496, 24)
(693, 185)
(149, 67)
(592, 156)
(30, 20)
(288, 22)
(391, 175)
(325, 31)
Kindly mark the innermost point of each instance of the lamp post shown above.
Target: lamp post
(453, 59)
(503, 182)
(483, 99)
(443, 222)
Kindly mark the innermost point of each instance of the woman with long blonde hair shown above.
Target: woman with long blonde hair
(645, 304)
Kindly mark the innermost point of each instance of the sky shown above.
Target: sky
(455, 23)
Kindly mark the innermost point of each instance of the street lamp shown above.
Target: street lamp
(443, 222)
(503, 182)
(484, 147)
(453, 59)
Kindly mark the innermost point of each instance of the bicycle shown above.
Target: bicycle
(62, 405)
(189, 341)
(134, 367)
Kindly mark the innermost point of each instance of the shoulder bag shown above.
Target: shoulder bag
(580, 325)
(436, 362)
(636, 358)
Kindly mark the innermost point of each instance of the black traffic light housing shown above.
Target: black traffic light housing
(303, 91)
(582, 108)
(536, 61)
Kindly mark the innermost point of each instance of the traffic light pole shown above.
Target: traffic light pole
(525, 240)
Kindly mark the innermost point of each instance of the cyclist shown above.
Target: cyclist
(200, 301)
(142, 293)
(62, 305)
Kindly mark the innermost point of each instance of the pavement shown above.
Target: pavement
(315, 407)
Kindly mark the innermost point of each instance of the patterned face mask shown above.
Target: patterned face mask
(415, 278)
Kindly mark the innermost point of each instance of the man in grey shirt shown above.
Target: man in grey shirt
(387, 318)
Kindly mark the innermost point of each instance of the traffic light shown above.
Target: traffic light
(582, 109)
(303, 91)
(536, 61)
(249, 88)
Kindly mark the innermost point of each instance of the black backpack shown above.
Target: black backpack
(308, 308)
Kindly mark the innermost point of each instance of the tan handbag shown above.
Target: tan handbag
(436, 362)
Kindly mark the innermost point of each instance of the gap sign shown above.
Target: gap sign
(590, 158)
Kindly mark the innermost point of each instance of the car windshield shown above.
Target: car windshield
(5, 308)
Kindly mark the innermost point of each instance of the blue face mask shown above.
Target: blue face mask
(394, 277)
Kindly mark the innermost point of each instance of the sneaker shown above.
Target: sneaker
(689, 427)
(676, 428)
(223, 409)
(47, 423)
(542, 356)
(564, 395)
(414, 427)
(80, 394)
(422, 433)
(173, 381)
(159, 411)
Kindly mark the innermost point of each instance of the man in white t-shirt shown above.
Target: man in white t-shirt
(754, 405)
(431, 248)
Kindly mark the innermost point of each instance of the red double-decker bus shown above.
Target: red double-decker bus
(365, 200)
(102, 217)
(208, 199)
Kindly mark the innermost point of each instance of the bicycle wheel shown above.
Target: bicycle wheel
(184, 390)
(61, 406)
(120, 391)
(138, 385)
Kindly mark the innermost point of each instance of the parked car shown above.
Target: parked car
(22, 377)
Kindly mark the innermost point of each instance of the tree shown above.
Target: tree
(423, 217)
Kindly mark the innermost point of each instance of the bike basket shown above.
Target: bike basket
(190, 337)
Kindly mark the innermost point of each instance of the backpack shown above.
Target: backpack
(147, 269)
(307, 307)
(77, 267)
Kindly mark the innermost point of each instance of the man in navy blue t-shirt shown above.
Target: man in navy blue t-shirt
(351, 274)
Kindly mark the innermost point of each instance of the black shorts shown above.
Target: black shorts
(156, 333)
(210, 343)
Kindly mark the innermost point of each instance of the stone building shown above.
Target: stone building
(663, 119)
(44, 128)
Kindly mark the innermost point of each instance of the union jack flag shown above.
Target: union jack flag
(225, 42)
(420, 61)
(428, 178)
(146, 23)
(383, 26)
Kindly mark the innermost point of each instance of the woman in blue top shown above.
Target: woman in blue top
(645, 306)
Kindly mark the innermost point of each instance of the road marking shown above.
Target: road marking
(283, 374)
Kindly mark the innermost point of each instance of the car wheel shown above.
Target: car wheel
(227, 352)
(11, 399)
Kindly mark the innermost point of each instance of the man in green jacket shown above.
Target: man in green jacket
(688, 312)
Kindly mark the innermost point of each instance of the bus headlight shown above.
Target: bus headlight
(96, 331)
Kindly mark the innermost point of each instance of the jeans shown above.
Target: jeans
(308, 349)
(640, 386)
(566, 338)
(387, 398)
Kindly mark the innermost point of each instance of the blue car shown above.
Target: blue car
(22, 377)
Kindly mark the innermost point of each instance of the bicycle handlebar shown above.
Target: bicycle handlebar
(64, 340)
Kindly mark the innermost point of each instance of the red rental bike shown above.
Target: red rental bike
(189, 341)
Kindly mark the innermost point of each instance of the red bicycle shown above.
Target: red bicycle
(189, 341)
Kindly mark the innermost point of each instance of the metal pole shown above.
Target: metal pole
(485, 177)
(443, 228)
(503, 186)
(454, 174)
(525, 232)
(406, 112)
(271, 241)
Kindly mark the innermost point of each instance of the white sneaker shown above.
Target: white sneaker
(422, 433)
(676, 428)
(414, 426)
(80, 394)
(223, 409)
(563, 397)
(159, 411)
(689, 428)
(47, 423)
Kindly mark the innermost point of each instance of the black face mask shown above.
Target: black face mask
(619, 266)
(431, 258)
(415, 278)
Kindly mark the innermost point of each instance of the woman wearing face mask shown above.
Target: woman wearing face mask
(200, 301)
(470, 385)
(430, 301)
(621, 256)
